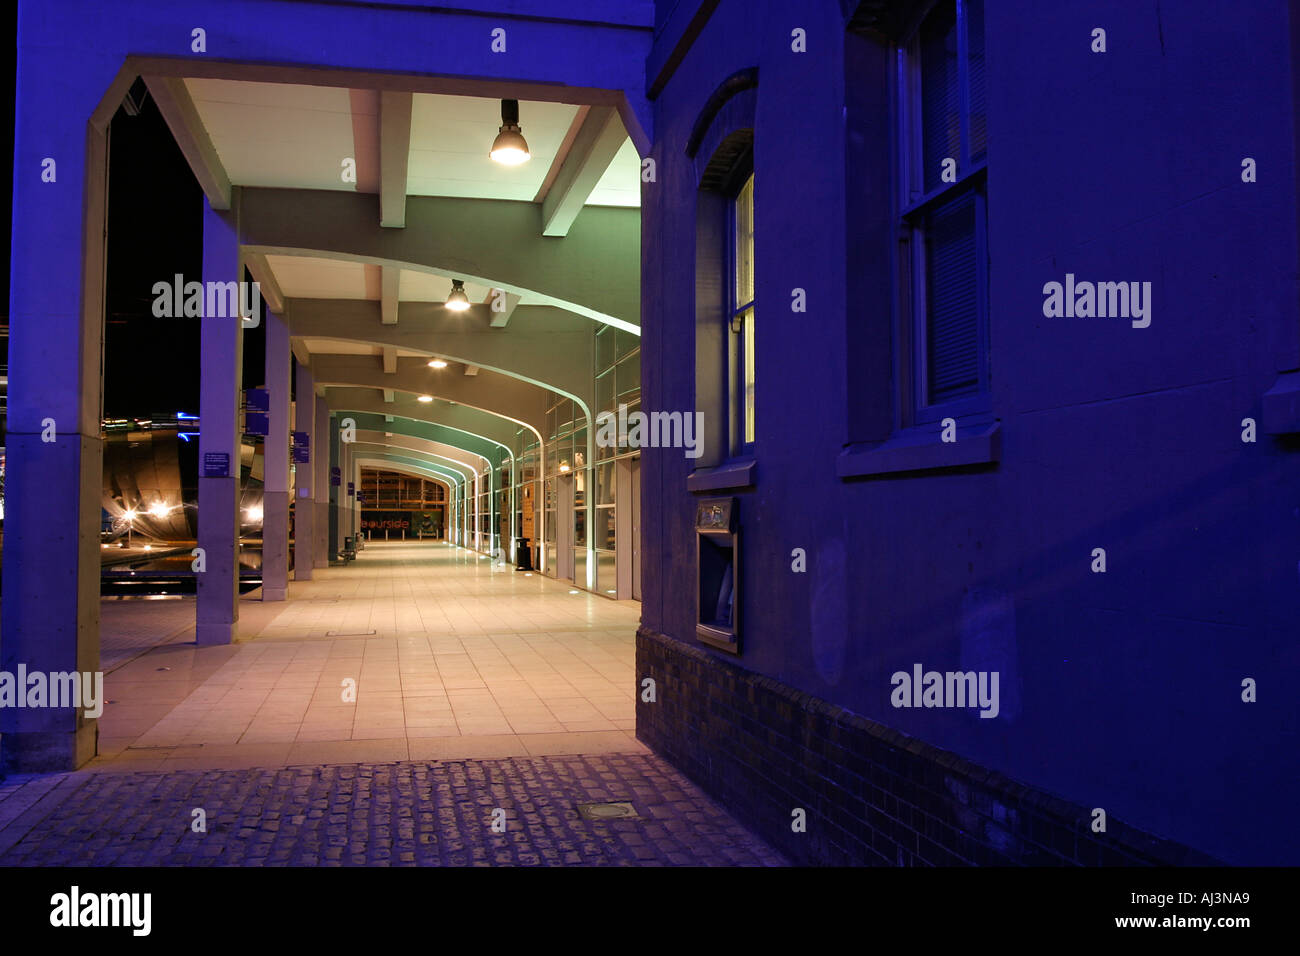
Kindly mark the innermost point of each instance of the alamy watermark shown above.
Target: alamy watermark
(651, 430)
(57, 689)
(1086, 300)
(923, 688)
(194, 300)
(76, 909)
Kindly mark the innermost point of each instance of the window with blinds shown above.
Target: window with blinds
(945, 147)
(742, 309)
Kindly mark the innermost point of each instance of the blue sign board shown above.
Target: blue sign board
(336, 476)
(216, 464)
(301, 448)
(257, 423)
(257, 400)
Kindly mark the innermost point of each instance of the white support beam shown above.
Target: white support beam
(592, 151)
(178, 109)
(388, 314)
(390, 360)
(394, 149)
(501, 305)
(388, 396)
(265, 279)
(471, 369)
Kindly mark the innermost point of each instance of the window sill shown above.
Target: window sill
(920, 450)
(729, 476)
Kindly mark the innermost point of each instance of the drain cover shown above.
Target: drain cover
(607, 811)
(349, 633)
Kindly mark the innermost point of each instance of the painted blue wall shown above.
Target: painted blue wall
(1119, 690)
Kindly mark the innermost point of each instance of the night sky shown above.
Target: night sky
(155, 230)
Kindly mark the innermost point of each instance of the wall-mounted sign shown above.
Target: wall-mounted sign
(257, 400)
(336, 477)
(257, 423)
(301, 448)
(386, 520)
(216, 464)
(352, 489)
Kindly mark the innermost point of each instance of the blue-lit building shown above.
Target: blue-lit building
(965, 518)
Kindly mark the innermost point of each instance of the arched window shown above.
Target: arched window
(722, 146)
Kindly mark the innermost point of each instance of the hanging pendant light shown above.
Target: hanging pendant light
(457, 301)
(510, 148)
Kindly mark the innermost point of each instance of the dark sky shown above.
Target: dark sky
(154, 231)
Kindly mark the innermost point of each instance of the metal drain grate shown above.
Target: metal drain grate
(600, 812)
(350, 633)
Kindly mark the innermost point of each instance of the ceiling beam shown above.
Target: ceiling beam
(390, 360)
(265, 279)
(394, 150)
(546, 346)
(502, 305)
(595, 272)
(388, 396)
(427, 445)
(471, 369)
(377, 463)
(593, 149)
(388, 315)
(182, 116)
(474, 422)
(509, 397)
(371, 448)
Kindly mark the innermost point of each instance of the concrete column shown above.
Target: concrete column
(221, 366)
(275, 484)
(336, 491)
(304, 510)
(321, 468)
(55, 455)
(356, 500)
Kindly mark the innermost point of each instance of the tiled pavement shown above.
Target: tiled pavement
(449, 658)
(399, 814)
(475, 688)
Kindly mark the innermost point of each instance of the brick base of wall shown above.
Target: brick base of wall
(871, 795)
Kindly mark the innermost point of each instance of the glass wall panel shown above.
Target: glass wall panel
(606, 573)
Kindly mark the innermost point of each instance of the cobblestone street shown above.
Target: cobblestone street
(401, 814)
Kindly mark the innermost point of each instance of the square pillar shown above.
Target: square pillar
(221, 337)
(54, 483)
(304, 510)
(321, 468)
(356, 498)
(335, 491)
(275, 481)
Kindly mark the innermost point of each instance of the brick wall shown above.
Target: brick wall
(871, 795)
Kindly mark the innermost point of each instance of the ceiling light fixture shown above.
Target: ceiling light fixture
(425, 398)
(510, 148)
(457, 301)
(437, 363)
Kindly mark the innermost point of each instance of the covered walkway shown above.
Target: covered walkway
(450, 658)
